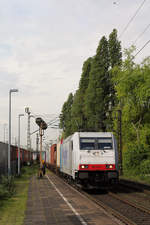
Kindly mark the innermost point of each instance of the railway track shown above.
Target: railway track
(128, 210)
(138, 197)
(124, 209)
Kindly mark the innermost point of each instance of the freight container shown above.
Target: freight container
(58, 154)
(3, 158)
(53, 154)
(48, 156)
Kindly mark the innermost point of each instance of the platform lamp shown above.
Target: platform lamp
(9, 140)
(42, 126)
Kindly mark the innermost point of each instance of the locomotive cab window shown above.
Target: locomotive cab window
(87, 143)
(104, 143)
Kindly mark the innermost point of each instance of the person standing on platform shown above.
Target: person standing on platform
(43, 167)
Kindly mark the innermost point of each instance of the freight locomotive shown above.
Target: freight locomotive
(25, 157)
(89, 159)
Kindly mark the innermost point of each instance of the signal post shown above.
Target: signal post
(42, 126)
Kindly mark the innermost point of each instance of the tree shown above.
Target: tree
(96, 97)
(65, 118)
(114, 49)
(79, 121)
(132, 85)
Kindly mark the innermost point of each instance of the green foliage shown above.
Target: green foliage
(115, 62)
(132, 84)
(7, 186)
(134, 155)
(96, 97)
(145, 167)
(84, 81)
(91, 101)
(114, 49)
(136, 159)
(79, 121)
(12, 210)
(65, 118)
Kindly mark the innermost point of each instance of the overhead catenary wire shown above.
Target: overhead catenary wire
(142, 48)
(132, 18)
(140, 35)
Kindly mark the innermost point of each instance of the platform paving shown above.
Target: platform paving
(52, 202)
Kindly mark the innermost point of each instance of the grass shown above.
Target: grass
(12, 209)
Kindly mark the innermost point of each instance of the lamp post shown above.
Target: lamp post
(9, 140)
(27, 110)
(19, 142)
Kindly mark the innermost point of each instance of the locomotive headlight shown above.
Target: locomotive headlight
(109, 166)
(83, 166)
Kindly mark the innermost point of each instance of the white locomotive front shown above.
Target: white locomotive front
(90, 158)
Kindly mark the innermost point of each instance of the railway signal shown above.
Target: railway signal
(42, 126)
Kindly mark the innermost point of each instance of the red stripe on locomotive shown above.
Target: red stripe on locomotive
(95, 167)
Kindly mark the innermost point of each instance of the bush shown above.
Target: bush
(7, 186)
(3, 192)
(133, 158)
(145, 167)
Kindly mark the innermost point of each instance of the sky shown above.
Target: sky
(43, 44)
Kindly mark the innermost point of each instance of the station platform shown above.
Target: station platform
(53, 202)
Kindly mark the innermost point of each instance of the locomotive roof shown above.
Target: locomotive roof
(67, 139)
(95, 134)
(89, 134)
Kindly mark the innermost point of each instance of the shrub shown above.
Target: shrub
(145, 167)
(133, 158)
(7, 186)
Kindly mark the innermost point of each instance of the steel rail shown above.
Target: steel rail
(133, 204)
(113, 212)
(108, 209)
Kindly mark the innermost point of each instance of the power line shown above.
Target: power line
(132, 18)
(146, 28)
(142, 48)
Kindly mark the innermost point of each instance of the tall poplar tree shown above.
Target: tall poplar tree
(90, 106)
(65, 118)
(115, 59)
(115, 55)
(96, 97)
(79, 121)
(114, 49)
